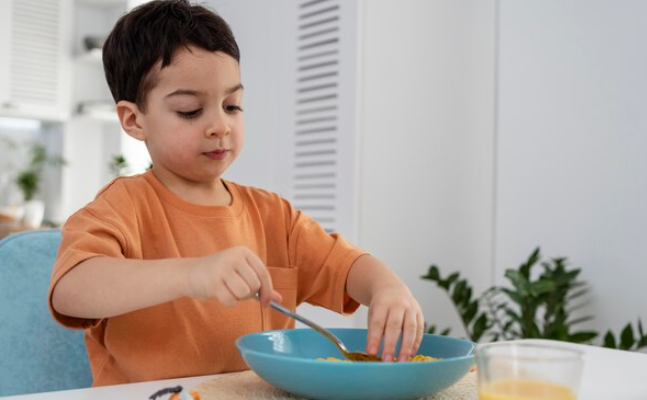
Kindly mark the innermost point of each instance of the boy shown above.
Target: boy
(161, 268)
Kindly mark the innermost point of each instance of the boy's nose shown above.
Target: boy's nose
(218, 127)
(220, 133)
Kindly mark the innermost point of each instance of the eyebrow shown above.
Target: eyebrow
(189, 92)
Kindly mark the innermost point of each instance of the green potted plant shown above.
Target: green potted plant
(29, 181)
(118, 165)
(535, 304)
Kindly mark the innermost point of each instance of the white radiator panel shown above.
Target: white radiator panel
(323, 173)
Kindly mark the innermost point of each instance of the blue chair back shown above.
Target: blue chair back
(36, 354)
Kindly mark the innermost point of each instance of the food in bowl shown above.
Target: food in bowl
(416, 358)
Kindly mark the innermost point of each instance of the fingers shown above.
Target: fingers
(391, 333)
(276, 297)
(230, 275)
(396, 321)
(420, 332)
(251, 281)
(235, 290)
(376, 319)
(266, 290)
(409, 331)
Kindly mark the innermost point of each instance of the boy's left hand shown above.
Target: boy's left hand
(394, 311)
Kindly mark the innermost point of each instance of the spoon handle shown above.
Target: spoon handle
(308, 322)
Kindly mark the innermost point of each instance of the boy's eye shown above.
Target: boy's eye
(233, 109)
(190, 114)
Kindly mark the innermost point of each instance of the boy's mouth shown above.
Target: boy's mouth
(217, 154)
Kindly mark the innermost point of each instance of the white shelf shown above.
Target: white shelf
(93, 57)
(99, 116)
(98, 111)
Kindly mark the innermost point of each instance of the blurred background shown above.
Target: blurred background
(463, 134)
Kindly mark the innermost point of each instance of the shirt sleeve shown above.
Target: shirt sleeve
(91, 232)
(323, 261)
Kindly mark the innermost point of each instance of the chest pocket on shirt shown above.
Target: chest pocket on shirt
(285, 280)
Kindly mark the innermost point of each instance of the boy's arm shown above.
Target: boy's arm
(103, 287)
(392, 308)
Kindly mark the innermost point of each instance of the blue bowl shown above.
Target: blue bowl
(287, 359)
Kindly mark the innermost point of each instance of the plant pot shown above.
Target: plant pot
(34, 213)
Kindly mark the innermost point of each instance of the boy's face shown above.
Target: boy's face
(193, 124)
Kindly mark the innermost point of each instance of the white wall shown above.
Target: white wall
(571, 145)
(427, 142)
(473, 154)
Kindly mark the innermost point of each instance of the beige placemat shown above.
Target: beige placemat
(248, 385)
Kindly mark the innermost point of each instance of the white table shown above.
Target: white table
(608, 375)
(130, 391)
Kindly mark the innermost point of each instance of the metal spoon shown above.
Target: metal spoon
(350, 355)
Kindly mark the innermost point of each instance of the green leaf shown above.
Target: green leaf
(627, 339)
(514, 296)
(38, 156)
(459, 292)
(451, 278)
(29, 178)
(118, 165)
(433, 274)
(28, 181)
(573, 274)
(542, 286)
(524, 269)
(640, 328)
(519, 282)
(534, 331)
(578, 293)
(447, 283)
(433, 329)
(470, 312)
(642, 340)
(468, 295)
(514, 316)
(610, 341)
(479, 327)
(583, 337)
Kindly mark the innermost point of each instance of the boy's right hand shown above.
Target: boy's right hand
(229, 276)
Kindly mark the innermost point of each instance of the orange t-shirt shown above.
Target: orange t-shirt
(139, 218)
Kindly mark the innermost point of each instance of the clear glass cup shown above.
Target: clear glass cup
(528, 371)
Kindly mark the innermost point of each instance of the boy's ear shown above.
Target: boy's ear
(129, 115)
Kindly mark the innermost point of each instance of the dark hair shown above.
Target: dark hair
(152, 32)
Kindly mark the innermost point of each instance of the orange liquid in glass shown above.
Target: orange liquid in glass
(525, 390)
